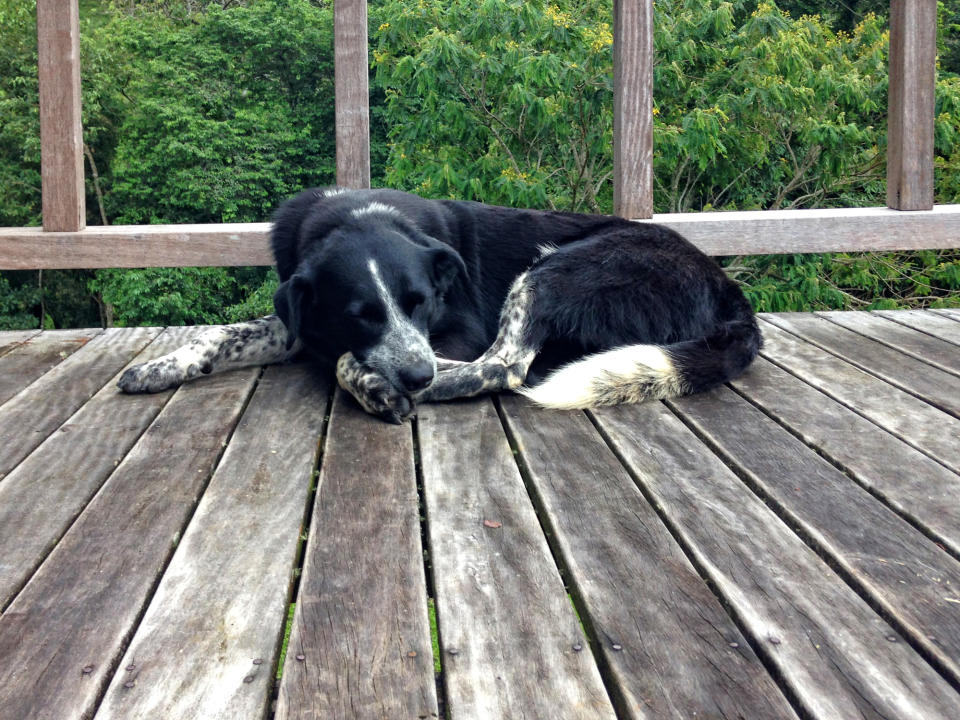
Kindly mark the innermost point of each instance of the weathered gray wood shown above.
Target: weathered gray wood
(926, 428)
(828, 646)
(901, 571)
(952, 313)
(64, 632)
(919, 488)
(43, 495)
(23, 364)
(939, 388)
(716, 233)
(11, 339)
(351, 78)
(935, 323)
(136, 246)
(360, 643)
(54, 397)
(671, 650)
(212, 629)
(61, 135)
(914, 343)
(913, 55)
(633, 108)
(508, 632)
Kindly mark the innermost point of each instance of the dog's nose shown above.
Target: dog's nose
(417, 376)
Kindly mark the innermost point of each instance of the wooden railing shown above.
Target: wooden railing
(909, 222)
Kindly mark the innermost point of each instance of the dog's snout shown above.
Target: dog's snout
(416, 376)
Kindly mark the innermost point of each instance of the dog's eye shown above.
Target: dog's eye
(368, 312)
(411, 301)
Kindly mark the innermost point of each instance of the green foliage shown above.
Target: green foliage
(16, 306)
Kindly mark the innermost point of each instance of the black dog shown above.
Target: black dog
(419, 300)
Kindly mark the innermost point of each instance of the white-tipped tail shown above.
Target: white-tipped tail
(627, 374)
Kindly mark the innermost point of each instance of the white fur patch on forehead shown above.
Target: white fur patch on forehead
(330, 192)
(373, 209)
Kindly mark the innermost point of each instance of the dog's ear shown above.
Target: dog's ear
(289, 301)
(445, 263)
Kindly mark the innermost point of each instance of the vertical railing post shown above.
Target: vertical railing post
(633, 108)
(913, 50)
(351, 65)
(61, 132)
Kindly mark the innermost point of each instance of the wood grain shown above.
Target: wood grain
(55, 396)
(952, 313)
(918, 487)
(360, 644)
(61, 134)
(930, 322)
(212, 629)
(914, 343)
(828, 646)
(670, 649)
(351, 78)
(508, 632)
(28, 360)
(926, 428)
(633, 108)
(63, 635)
(937, 387)
(901, 571)
(11, 339)
(43, 495)
(716, 233)
(910, 108)
(136, 246)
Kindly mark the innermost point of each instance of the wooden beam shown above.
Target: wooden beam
(61, 134)
(913, 51)
(633, 108)
(351, 67)
(716, 233)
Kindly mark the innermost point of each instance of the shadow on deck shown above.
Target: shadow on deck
(785, 547)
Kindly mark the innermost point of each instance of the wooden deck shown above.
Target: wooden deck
(788, 547)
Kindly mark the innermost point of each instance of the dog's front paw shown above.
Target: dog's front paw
(373, 391)
(156, 375)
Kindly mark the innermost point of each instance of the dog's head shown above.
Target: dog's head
(374, 287)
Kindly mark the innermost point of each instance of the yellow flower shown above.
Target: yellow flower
(383, 27)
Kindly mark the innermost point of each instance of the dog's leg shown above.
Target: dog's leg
(372, 390)
(505, 364)
(257, 342)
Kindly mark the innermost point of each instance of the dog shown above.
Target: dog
(413, 300)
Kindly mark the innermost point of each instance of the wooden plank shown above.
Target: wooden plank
(30, 359)
(508, 632)
(906, 575)
(952, 313)
(914, 343)
(64, 633)
(61, 134)
(351, 79)
(633, 108)
(830, 648)
(11, 339)
(44, 494)
(931, 431)
(937, 387)
(910, 109)
(214, 626)
(58, 394)
(933, 323)
(136, 246)
(669, 648)
(360, 643)
(772, 232)
(919, 488)
(716, 233)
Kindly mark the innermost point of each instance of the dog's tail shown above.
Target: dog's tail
(635, 373)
